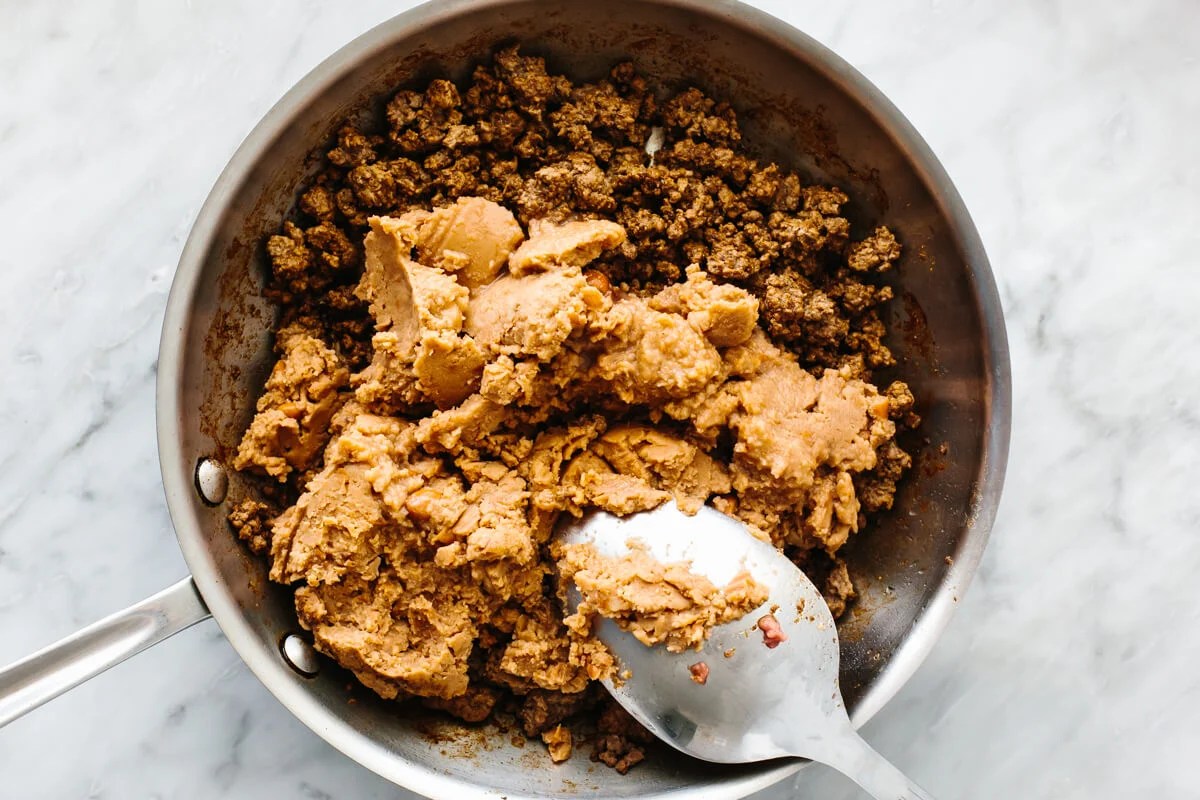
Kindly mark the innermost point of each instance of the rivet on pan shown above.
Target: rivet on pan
(300, 655)
(211, 481)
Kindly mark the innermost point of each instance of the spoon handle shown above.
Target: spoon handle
(850, 755)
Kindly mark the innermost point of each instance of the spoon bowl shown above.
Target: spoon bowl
(771, 687)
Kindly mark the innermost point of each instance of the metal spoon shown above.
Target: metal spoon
(758, 702)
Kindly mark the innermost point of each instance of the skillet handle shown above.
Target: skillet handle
(69, 662)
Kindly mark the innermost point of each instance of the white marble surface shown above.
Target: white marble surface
(1071, 130)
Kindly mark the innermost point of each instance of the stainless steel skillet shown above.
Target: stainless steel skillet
(800, 104)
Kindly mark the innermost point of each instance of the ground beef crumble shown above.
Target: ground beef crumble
(551, 150)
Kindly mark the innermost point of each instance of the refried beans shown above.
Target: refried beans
(498, 306)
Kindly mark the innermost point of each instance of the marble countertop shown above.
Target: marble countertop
(1070, 128)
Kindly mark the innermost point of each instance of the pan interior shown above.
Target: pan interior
(797, 106)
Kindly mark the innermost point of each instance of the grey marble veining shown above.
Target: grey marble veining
(1069, 127)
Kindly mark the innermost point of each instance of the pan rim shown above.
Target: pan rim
(264, 663)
